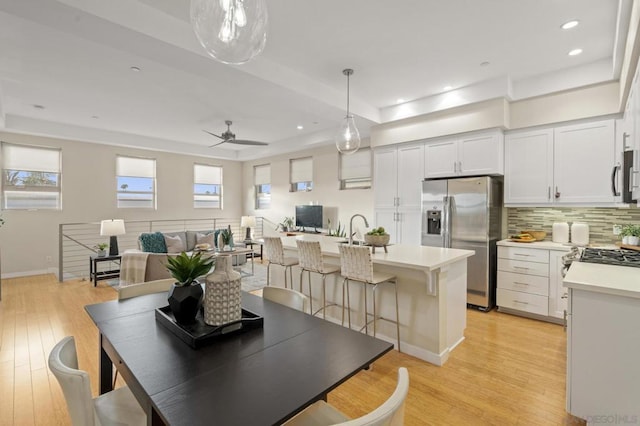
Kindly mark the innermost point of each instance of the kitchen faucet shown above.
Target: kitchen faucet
(351, 226)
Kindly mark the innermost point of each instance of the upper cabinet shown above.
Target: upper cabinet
(470, 155)
(566, 165)
(397, 183)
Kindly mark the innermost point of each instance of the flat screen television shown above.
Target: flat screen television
(309, 217)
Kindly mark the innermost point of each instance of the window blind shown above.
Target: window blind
(262, 174)
(301, 169)
(135, 167)
(356, 165)
(205, 174)
(31, 158)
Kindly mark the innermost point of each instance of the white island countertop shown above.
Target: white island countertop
(609, 279)
(407, 256)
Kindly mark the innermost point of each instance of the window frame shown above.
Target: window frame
(8, 187)
(219, 194)
(153, 192)
(300, 185)
(364, 182)
(262, 199)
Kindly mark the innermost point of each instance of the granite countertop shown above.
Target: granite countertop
(402, 255)
(609, 279)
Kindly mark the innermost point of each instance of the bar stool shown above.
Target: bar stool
(357, 265)
(275, 255)
(310, 256)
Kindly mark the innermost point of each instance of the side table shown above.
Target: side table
(250, 244)
(96, 275)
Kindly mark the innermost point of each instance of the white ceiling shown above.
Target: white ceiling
(74, 56)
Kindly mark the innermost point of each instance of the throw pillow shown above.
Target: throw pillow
(174, 244)
(152, 242)
(205, 239)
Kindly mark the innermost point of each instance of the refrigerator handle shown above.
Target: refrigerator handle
(446, 221)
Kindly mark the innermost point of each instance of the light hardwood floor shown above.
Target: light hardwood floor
(509, 370)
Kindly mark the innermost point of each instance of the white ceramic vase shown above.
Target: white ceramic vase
(633, 241)
(222, 298)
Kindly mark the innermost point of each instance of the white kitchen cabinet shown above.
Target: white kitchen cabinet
(557, 292)
(528, 167)
(583, 158)
(567, 165)
(634, 139)
(470, 155)
(397, 186)
(529, 281)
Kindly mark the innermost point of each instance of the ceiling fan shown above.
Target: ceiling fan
(230, 137)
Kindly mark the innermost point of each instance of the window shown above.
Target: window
(355, 169)
(31, 177)
(262, 182)
(207, 187)
(301, 173)
(136, 180)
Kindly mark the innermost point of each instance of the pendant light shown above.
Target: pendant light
(232, 31)
(348, 137)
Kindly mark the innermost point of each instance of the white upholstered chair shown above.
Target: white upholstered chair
(310, 257)
(140, 289)
(275, 254)
(118, 407)
(390, 413)
(284, 296)
(357, 265)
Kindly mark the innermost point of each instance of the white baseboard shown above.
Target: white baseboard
(30, 273)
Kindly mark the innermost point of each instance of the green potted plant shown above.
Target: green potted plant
(102, 249)
(287, 224)
(227, 237)
(185, 295)
(627, 233)
(634, 237)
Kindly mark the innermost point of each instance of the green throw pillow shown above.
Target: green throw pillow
(153, 242)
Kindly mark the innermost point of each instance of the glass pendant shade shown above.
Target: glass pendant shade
(348, 137)
(232, 31)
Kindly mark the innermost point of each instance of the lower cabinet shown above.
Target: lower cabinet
(530, 282)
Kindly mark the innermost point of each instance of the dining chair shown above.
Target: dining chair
(390, 413)
(275, 255)
(310, 256)
(357, 265)
(140, 289)
(118, 407)
(285, 296)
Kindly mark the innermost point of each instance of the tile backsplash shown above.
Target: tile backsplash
(600, 220)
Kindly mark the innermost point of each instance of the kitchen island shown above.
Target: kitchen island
(603, 342)
(432, 294)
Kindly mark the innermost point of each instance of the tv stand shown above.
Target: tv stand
(306, 231)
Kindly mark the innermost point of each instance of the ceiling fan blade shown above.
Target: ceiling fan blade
(216, 144)
(246, 142)
(213, 134)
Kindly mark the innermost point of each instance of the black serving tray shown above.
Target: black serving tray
(200, 334)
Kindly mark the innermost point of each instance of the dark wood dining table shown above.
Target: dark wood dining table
(258, 377)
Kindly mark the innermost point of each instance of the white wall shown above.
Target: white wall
(89, 195)
(338, 205)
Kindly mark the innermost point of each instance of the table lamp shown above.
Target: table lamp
(112, 228)
(248, 222)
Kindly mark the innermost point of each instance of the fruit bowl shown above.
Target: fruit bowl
(377, 240)
(538, 235)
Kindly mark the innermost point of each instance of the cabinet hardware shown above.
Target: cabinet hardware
(557, 193)
(632, 179)
(521, 267)
(548, 192)
(625, 135)
(517, 301)
(521, 254)
(455, 167)
(460, 166)
(565, 296)
(516, 282)
(614, 174)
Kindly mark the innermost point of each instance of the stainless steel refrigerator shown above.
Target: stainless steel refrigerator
(466, 213)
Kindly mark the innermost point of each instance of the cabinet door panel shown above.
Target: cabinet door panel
(583, 159)
(387, 219)
(410, 175)
(409, 226)
(528, 167)
(385, 177)
(481, 155)
(440, 159)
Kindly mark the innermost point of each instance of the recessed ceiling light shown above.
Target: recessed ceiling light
(447, 88)
(575, 52)
(135, 69)
(38, 106)
(300, 127)
(95, 117)
(569, 25)
(400, 101)
(484, 64)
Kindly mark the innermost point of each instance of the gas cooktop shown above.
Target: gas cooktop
(620, 257)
